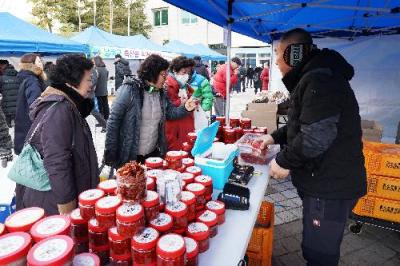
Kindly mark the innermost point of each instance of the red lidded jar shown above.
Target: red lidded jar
(79, 232)
(245, 123)
(219, 208)
(87, 202)
(14, 248)
(221, 120)
(144, 247)
(150, 184)
(201, 233)
(210, 219)
(192, 136)
(131, 182)
(206, 181)
(192, 252)
(98, 238)
(264, 129)
(154, 173)
(171, 250)
(154, 163)
(187, 177)
(50, 226)
(108, 186)
(187, 147)
(86, 259)
(174, 159)
(163, 223)
(105, 210)
(23, 220)
(189, 199)
(130, 219)
(55, 251)
(229, 136)
(195, 170)
(184, 154)
(199, 190)
(187, 162)
(239, 132)
(120, 248)
(151, 205)
(178, 211)
(234, 122)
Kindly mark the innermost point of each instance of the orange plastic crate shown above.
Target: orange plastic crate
(384, 209)
(383, 187)
(382, 159)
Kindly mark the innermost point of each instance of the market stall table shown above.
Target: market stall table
(230, 245)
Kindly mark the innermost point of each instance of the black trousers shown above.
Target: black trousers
(323, 228)
(104, 108)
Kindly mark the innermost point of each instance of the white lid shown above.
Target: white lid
(151, 195)
(197, 228)
(51, 225)
(195, 187)
(11, 244)
(187, 176)
(177, 207)
(161, 220)
(187, 160)
(153, 172)
(193, 169)
(174, 154)
(187, 195)
(129, 210)
(154, 160)
(76, 214)
(191, 244)
(50, 249)
(91, 194)
(171, 243)
(25, 217)
(108, 202)
(84, 260)
(213, 205)
(147, 235)
(170, 174)
(208, 216)
(108, 184)
(203, 178)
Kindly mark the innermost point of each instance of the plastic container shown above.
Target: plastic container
(192, 137)
(206, 181)
(103, 254)
(184, 154)
(79, 232)
(174, 159)
(105, 210)
(195, 170)
(210, 219)
(87, 202)
(219, 170)
(178, 212)
(221, 120)
(14, 248)
(250, 151)
(23, 220)
(169, 187)
(190, 200)
(98, 237)
(154, 173)
(171, 250)
(192, 252)
(154, 163)
(151, 205)
(131, 181)
(229, 136)
(120, 247)
(245, 123)
(50, 226)
(108, 186)
(144, 247)
(199, 191)
(150, 184)
(188, 178)
(55, 251)
(163, 223)
(234, 122)
(201, 233)
(86, 259)
(186, 146)
(239, 132)
(187, 162)
(218, 207)
(130, 219)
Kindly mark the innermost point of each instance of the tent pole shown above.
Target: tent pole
(228, 63)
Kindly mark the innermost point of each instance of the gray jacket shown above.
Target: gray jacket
(102, 79)
(123, 126)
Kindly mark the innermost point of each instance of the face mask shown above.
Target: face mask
(182, 79)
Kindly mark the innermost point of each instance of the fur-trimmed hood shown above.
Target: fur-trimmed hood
(34, 69)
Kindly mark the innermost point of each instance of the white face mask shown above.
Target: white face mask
(182, 79)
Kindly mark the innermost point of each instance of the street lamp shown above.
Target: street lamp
(128, 5)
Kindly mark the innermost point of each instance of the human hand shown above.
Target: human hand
(191, 105)
(276, 171)
(266, 140)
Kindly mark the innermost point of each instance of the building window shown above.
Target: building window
(160, 17)
(188, 18)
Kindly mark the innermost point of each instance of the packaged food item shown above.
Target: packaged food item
(87, 202)
(171, 250)
(250, 149)
(239, 132)
(131, 181)
(206, 181)
(79, 232)
(178, 212)
(221, 120)
(201, 233)
(184, 154)
(199, 190)
(23, 220)
(154, 173)
(50, 226)
(186, 146)
(130, 219)
(144, 247)
(187, 162)
(187, 177)
(120, 248)
(86, 259)
(14, 248)
(234, 122)
(109, 186)
(105, 210)
(229, 136)
(245, 123)
(55, 250)
(154, 163)
(192, 252)
(190, 200)
(174, 159)
(163, 223)
(98, 241)
(150, 184)
(210, 219)
(169, 186)
(195, 170)
(192, 136)
(219, 208)
(151, 205)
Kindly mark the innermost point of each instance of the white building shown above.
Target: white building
(172, 23)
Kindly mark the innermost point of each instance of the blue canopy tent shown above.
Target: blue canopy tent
(19, 37)
(266, 20)
(208, 54)
(179, 47)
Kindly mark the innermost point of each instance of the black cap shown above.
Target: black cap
(118, 56)
(237, 61)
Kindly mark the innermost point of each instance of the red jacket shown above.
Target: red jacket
(265, 79)
(220, 80)
(176, 130)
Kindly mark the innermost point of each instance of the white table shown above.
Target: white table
(230, 244)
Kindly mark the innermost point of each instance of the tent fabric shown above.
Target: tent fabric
(191, 51)
(208, 54)
(266, 20)
(18, 37)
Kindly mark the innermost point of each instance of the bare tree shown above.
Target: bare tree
(111, 15)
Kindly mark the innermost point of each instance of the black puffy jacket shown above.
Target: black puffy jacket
(322, 139)
(9, 84)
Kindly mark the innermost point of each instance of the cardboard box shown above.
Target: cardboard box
(382, 159)
(388, 210)
(384, 187)
(372, 130)
(261, 119)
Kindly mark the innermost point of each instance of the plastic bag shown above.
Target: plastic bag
(200, 119)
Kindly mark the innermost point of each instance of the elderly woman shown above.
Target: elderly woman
(63, 138)
(136, 126)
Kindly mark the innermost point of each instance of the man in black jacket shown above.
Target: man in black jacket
(9, 85)
(122, 69)
(322, 148)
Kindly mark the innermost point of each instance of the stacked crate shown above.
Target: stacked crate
(382, 201)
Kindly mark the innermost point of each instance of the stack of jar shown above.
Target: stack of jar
(236, 129)
(174, 160)
(191, 139)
